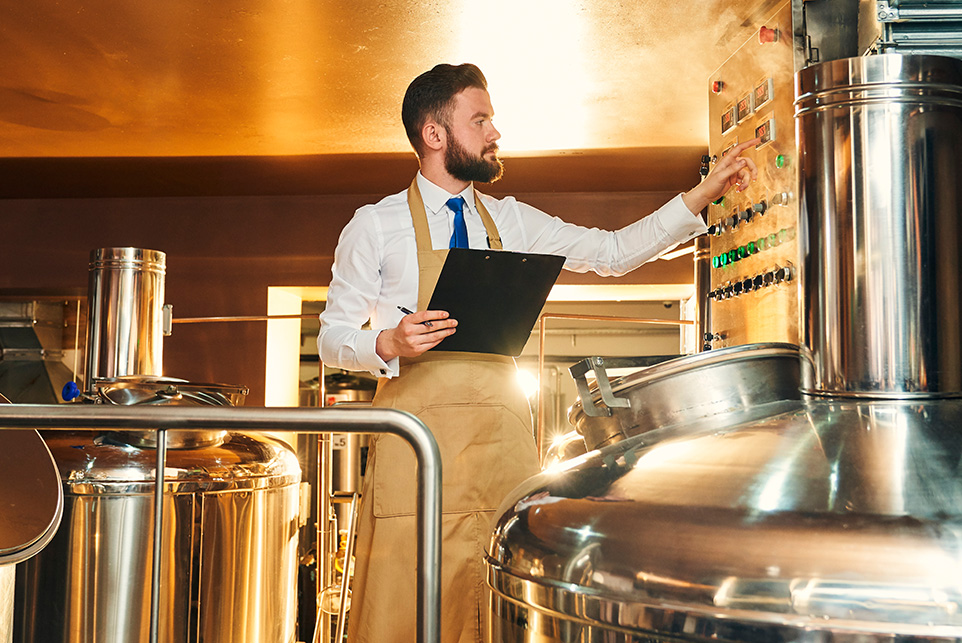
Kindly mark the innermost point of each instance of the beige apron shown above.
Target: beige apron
(482, 422)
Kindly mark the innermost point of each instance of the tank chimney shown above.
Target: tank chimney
(125, 300)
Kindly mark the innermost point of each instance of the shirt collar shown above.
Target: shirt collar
(435, 197)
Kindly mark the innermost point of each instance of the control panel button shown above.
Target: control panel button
(782, 198)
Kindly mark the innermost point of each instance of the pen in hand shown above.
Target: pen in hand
(411, 312)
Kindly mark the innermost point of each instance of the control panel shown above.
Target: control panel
(753, 294)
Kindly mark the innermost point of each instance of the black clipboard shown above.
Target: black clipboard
(496, 297)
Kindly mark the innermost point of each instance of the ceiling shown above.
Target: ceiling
(109, 78)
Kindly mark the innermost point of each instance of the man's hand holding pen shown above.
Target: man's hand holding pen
(415, 334)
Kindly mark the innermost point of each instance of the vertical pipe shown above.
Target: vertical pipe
(702, 287)
(155, 573)
(346, 574)
(323, 565)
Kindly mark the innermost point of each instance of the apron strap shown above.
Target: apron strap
(422, 233)
(494, 239)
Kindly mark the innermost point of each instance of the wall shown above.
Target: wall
(224, 250)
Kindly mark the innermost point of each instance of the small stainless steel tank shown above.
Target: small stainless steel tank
(230, 532)
(231, 500)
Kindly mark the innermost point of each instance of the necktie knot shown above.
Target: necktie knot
(459, 238)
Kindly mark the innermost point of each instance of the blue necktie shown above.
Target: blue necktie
(459, 238)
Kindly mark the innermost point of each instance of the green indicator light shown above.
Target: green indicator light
(723, 259)
(741, 252)
(732, 256)
(780, 161)
(719, 201)
(750, 248)
(760, 244)
(715, 262)
(772, 240)
(782, 235)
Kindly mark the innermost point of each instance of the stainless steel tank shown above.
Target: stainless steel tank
(230, 532)
(231, 500)
(834, 515)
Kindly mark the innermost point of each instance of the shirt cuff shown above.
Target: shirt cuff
(367, 346)
(678, 222)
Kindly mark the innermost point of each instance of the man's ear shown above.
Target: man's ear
(434, 135)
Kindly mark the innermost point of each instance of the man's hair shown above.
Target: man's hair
(431, 94)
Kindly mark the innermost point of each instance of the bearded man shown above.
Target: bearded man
(388, 257)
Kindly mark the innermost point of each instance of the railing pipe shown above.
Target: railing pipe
(305, 420)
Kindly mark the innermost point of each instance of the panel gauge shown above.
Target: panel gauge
(765, 132)
(728, 119)
(763, 92)
(744, 107)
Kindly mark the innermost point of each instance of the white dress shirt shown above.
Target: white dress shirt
(376, 270)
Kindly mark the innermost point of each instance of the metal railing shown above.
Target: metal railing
(304, 420)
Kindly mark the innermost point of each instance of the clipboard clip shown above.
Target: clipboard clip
(597, 366)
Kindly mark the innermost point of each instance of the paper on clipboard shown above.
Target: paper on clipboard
(496, 297)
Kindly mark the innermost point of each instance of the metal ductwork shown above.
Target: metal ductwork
(31, 351)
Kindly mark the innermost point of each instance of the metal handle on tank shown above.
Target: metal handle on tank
(597, 366)
(304, 420)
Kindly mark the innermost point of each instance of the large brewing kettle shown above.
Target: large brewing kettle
(813, 519)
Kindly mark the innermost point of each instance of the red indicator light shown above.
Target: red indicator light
(717, 86)
(766, 35)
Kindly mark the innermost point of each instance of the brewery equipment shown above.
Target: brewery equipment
(231, 499)
(807, 494)
(753, 255)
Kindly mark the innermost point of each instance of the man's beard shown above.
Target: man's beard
(465, 167)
